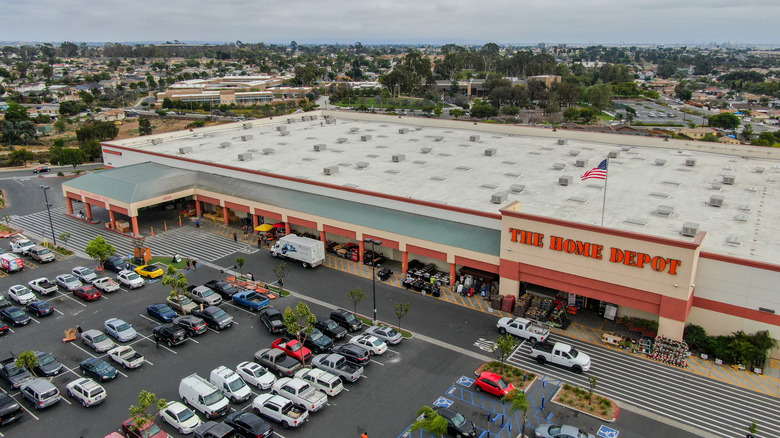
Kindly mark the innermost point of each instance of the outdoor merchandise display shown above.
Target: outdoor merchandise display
(669, 351)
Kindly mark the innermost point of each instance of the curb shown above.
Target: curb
(617, 413)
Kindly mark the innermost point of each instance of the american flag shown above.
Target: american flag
(598, 172)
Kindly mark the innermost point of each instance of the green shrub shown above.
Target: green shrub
(567, 387)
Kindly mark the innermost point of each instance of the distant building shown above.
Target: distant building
(238, 90)
(547, 79)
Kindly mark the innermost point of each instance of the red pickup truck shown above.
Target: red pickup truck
(293, 348)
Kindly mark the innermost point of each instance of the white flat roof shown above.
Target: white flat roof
(448, 164)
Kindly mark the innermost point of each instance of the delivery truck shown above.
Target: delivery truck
(309, 252)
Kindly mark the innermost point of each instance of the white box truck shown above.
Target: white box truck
(309, 252)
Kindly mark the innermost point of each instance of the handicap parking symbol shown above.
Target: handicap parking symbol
(607, 432)
(444, 403)
(465, 381)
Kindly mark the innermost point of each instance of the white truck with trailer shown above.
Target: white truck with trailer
(309, 252)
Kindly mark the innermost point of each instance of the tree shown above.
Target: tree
(92, 150)
(20, 156)
(16, 113)
(592, 382)
(240, 264)
(144, 126)
(281, 271)
(355, 297)
(599, 95)
(140, 414)
(64, 238)
(71, 107)
(401, 309)
(300, 322)
(29, 360)
(73, 157)
(178, 282)
(752, 429)
(97, 131)
(724, 120)
(99, 249)
(430, 421)
(483, 109)
(518, 401)
(504, 347)
(748, 132)
(682, 92)
(61, 125)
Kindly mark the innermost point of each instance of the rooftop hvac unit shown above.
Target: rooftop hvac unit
(426, 150)
(354, 130)
(561, 141)
(320, 147)
(716, 186)
(759, 170)
(403, 130)
(156, 140)
(331, 170)
(313, 117)
(224, 144)
(473, 137)
(690, 229)
(660, 161)
(744, 207)
(613, 154)
(281, 128)
(625, 148)
(397, 158)
(185, 150)
(341, 140)
(290, 121)
(489, 152)
(558, 166)
(418, 128)
(728, 179)
(517, 188)
(574, 152)
(690, 162)
(268, 151)
(565, 180)
(361, 164)
(438, 138)
(734, 239)
(365, 137)
(499, 197)
(246, 156)
(330, 121)
(664, 210)
(247, 125)
(581, 162)
(716, 200)
(247, 137)
(283, 133)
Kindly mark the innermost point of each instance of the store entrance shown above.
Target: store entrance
(560, 308)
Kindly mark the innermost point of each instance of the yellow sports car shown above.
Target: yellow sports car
(149, 271)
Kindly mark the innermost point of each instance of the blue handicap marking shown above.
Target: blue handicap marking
(607, 432)
(465, 381)
(442, 402)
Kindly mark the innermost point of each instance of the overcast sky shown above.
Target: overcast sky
(394, 21)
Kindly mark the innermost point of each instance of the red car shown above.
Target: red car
(150, 430)
(293, 349)
(88, 293)
(493, 383)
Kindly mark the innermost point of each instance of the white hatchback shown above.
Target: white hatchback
(178, 415)
(256, 375)
(371, 343)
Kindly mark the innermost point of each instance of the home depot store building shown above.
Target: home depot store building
(673, 280)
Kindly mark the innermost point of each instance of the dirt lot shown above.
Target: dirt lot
(129, 126)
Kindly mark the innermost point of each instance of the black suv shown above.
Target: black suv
(354, 354)
(330, 328)
(115, 263)
(171, 334)
(215, 317)
(316, 341)
(273, 320)
(223, 288)
(346, 319)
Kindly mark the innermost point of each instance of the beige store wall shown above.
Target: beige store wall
(718, 324)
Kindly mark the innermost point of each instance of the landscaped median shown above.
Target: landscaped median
(582, 400)
(520, 379)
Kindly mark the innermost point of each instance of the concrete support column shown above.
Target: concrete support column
(70, 205)
(509, 287)
(89, 210)
(226, 216)
(361, 250)
(198, 209)
(112, 219)
(404, 262)
(136, 232)
(287, 228)
(322, 236)
(670, 328)
(453, 272)
(255, 221)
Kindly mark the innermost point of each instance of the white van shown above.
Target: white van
(203, 396)
(231, 384)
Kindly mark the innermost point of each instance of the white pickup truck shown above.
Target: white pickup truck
(21, 245)
(301, 392)
(280, 409)
(523, 328)
(42, 286)
(561, 354)
(126, 356)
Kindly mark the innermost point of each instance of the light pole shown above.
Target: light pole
(51, 224)
(373, 269)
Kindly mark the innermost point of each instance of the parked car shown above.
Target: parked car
(280, 409)
(21, 294)
(163, 312)
(250, 299)
(119, 330)
(21, 245)
(215, 317)
(41, 254)
(182, 304)
(230, 383)
(87, 293)
(41, 393)
(300, 392)
(180, 417)
(315, 341)
(213, 429)
(15, 316)
(493, 384)
(48, 365)
(354, 354)
(126, 356)
(14, 375)
(324, 381)
(249, 425)
(192, 324)
(86, 391)
(373, 344)
(149, 271)
(42, 286)
(98, 369)
(346, 319)
(170, 334)
(256, 375)
(130, 279)
(149, 430)
(273, 319)
(85, 275)
(10, 409)
(69, 282)
(457, 424)
(40, 308)
(560, 431)
(97, 340)
(293, 348)
(330, 328)
(105, 284)
(225, 289)
(41, 169)
(338, 365)
(388, 334)
(116, 264)
(204, 295)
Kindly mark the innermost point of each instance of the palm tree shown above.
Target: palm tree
(518, 401)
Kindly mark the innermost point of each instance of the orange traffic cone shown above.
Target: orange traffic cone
(165, 223)
(152, 230)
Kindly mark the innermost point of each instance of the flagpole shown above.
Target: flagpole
(604, 203)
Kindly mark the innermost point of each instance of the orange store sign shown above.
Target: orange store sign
(596, 251)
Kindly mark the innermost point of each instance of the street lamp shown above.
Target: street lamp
(373, 269)
(51, 224)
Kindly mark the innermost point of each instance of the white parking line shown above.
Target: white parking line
(55, 309)
(193, 340)
(380, 363)
(35, 320)
(85, 351)
(72, 299)
(148, 318)
(160, 345)
(239, 308)
(29, 411)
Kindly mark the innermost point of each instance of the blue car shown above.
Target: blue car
(98, 369)
(40, 308)
(163, 312)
